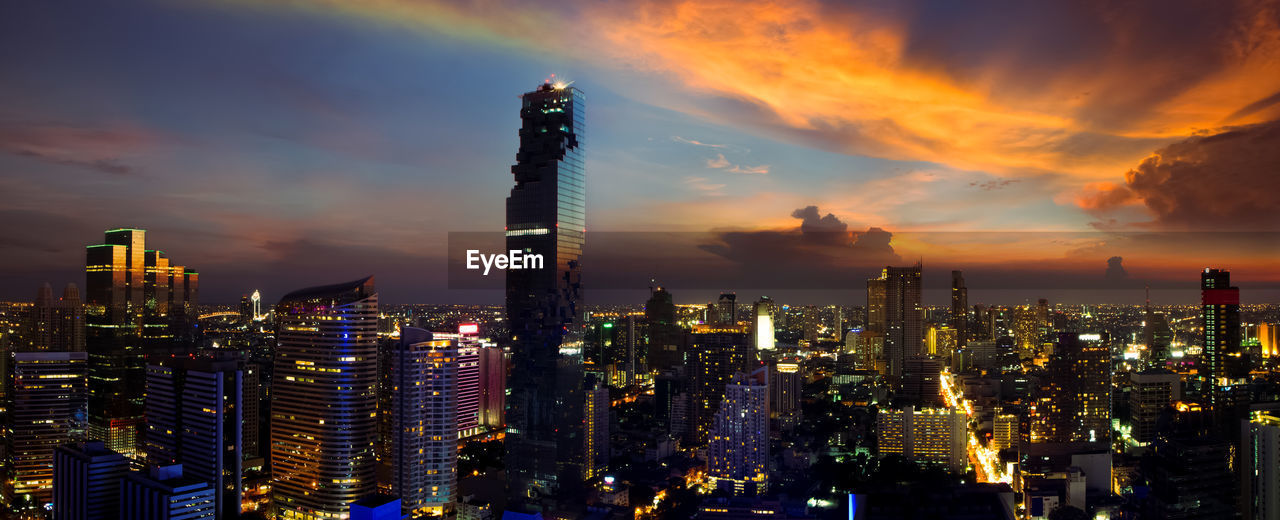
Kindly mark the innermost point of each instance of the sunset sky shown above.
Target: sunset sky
(276, 145)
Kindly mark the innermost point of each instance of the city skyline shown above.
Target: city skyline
(253, 121)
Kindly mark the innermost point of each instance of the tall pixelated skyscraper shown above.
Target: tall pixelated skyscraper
(1225, 368)
(903, 315)
(738, 450)
(1074, 402)
(546, 215)
(324, 399)
(49, 409)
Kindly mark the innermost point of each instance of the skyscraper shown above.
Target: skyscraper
(1152, 391)
(135, 300)
(195, 418)
(762, 332)
(903, 315)
(1224, 365)
(546, 215)
(324, 399)
(924, 435)
(423, 415)
(50, 409)
(959, 308)
(1074, 402)
(56, 325)
(493, 386)
(468, 408)
(738, 451)
(595, 437)
(715, 355)
(726, 310)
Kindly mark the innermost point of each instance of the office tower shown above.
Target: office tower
(1004, 432)
(715, 355)
(546, 216)
(468, 392)
(664, 333)
(1074, 402)
(49, 408)
(1260, 436)
(493, 386)
(922, 381)
(1269, 339)
(1225, 368)
(940, 341)
(903, 316)
(762, 324)
(959, 308)
(86, 481)
(595, 430)
(194, 410)
(876, 304)
(1026, 331)
(56, 325)
(423, 415)
(323, 399)
(726, 310)
(1190, 478)
(1151, 392)
(165, 493)
(135, 300)
(785, 386)
(738, 452)
(251, 407)
(924, 435)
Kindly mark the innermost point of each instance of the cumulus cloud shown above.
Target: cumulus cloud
(1115, 269)
(1225, 180)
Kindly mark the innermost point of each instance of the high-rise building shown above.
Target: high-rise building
(56, 325)
(903, 316)
(493, 386)
(324, 399)
(1005, 432)
(195, 419)
(924, 435)
(1074, 402)
(546, 215)
(423, 458)
(959, 308)
(1224, 364)
(715, 355)
(726, 310)
(166, 493)
(49, 409)
(1261, 440)
(922, 381)
(595, 436)
(468, 380)
(1151, 392)
(785, 386)
(86, 481)
(762, 332)
(876, 304)
(136, 301)
(738, 451)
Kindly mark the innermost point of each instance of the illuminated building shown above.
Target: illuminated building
(715, 355)
(136, 301)
(493, 386)
(423, 458)
(49, 409)
(959, 308)
(1074, 403)
(546, 216)
(56, 325)
(725, 310)
(738, 449)
(903, 316)
(1269, 339)
(86, 481)
(595, 430)
(468, 379)
(1261, 436)
(194, 410)
(876, 304)
(1224, 366)
(165, 493)
(922, 381)
(941, 341)
(1004, 434)
(785, 385)
(762, 324)
(323, 400)
(924, 435)
(1151, 392)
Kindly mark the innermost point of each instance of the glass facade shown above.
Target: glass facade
(546, 215)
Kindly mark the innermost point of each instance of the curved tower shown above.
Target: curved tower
(323, 400)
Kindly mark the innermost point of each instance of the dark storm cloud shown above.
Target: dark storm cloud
(1115, 269)
(1228, 180)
